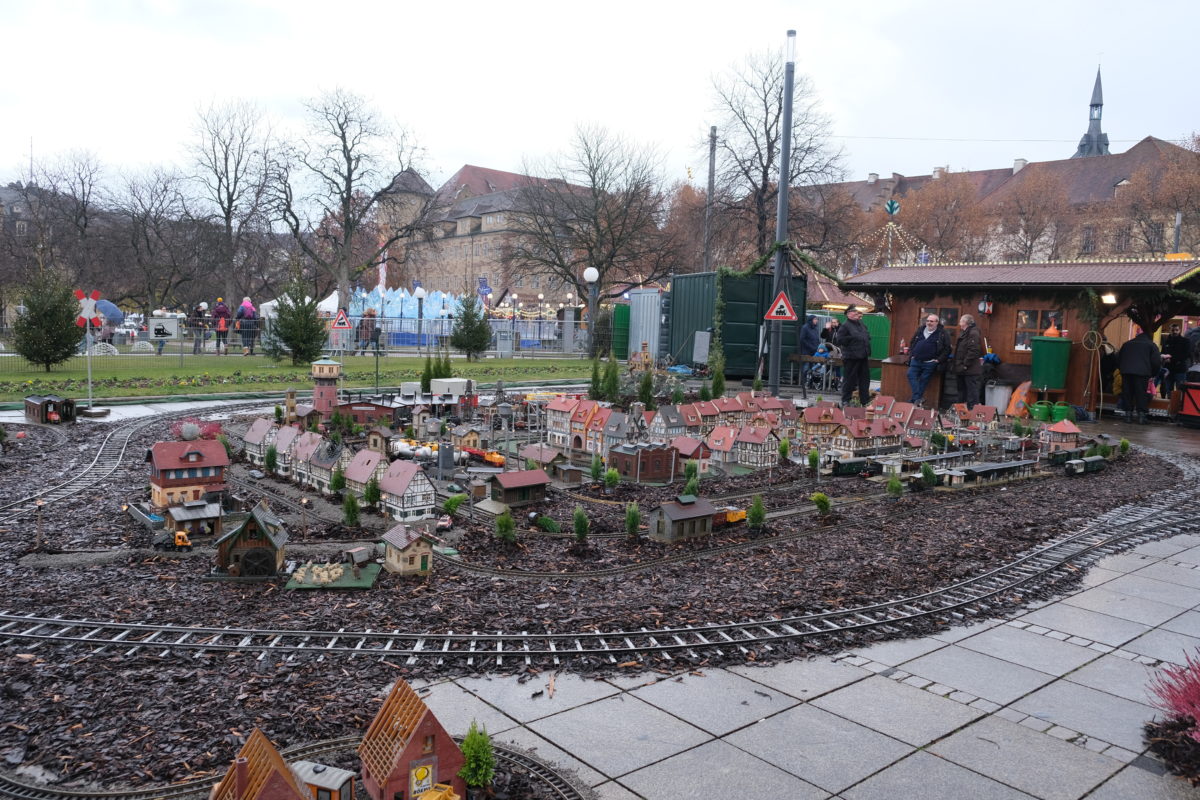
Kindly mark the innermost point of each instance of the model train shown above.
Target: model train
(1078, 466)
(857, 465)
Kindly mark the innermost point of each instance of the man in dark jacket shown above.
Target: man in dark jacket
(1138, 360)
(968, 361)
(927, 350)
(1179, 351)
(855, 342)
(810, 340)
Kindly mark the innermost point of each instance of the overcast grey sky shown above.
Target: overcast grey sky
(493, 83)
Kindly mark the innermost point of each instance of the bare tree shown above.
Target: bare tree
(749, 102)
(348, 206)
(1035, 216)
(602, 205)
(948, 218)
(232, 152)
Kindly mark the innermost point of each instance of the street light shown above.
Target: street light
(304, 503)
(782, 266)
(592, 276)
(419, 293)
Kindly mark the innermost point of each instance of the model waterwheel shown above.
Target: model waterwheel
(259, 562)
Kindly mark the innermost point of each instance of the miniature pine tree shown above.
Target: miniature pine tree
(756, 515)
(717, 363)
(691, 469)
(594, 390)
(372, 493)
(928, 477)
(506, 528)
(350, 509)
(1017, 428)
(611, 479)
(676, 396)
(705, 392)
(224, 440)
(612, 380)
(646, 390)
(692, 487)
(894, 487)
(427, 375)
(531, 464)
(633, 519)
(410, 432)
(597, 469)
(46, 333)
(479, 762)
(278, 414)
(785, 448)
(822, 502)
(338, 480)
(937, 441)
(757, 384)
(271, 462)
(471, 334)
(579, 521)
(1106, 450)
(452, 503)
(1124, 447)
(814, 458)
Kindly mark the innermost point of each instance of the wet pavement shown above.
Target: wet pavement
(1047, 703)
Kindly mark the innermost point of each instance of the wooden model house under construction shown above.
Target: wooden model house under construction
(406, 751)
(259, 773)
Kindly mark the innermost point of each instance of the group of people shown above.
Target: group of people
(219, 322)
(930, 351)
(1141, 363)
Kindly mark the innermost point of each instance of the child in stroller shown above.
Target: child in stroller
(822, 374)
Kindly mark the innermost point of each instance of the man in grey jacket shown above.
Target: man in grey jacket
(968, 361)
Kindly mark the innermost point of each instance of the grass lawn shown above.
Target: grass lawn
(171, 374)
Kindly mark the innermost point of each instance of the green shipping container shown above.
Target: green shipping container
(620, 334)
(881, 333)
(693, 304)
(1050, 357)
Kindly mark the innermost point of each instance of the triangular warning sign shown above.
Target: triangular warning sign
(342, 323)
(781, 309)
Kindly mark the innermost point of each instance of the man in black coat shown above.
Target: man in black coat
(1138, 360)
(968, 361)
(1179, 349)
(854, 340)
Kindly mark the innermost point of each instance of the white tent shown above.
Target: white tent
(328, 305)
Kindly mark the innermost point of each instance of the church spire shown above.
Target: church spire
(1095, 141)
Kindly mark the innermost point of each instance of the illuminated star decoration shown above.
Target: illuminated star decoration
(87, 308)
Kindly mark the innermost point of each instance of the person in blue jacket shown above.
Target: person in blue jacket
(810, 340)
(927, 352)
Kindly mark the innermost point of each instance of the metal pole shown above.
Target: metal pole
(785, 163)
(708, 200)
(87, 342)
(1178, 229)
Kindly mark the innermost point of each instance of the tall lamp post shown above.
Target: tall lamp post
(592, 276)
(785, 168)
(304, 502)
(512, 328)
(420, 295)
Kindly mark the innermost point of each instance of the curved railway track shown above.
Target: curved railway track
(538, 772)
(1166, 513)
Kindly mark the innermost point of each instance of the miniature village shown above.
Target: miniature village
(403, 511)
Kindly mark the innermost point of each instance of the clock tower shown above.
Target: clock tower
(1095, 141)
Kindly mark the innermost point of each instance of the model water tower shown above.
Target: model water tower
(325, 374)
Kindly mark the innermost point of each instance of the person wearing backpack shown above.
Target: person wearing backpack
(928, 350)
(222, 321)
(247, 325)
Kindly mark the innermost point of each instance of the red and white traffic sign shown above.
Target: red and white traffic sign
(342, 323)
(781, 309)
(87, 308)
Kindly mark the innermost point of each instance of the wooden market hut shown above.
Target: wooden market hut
(1014, 302)
(406, 751)
(254, 548)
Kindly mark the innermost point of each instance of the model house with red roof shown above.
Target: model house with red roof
(731, 410)
(710, 416)
(722, 443)
(558, 420)
(181, 472)
(693, 425)
(285, 440)
(408, 494)
(819, 424)
(260, 773)
(1063, 435)
(577, 430)
(365, 465)
(692, 449)
(756, 447)
(406, 751)
(305, 446)
(594, 435)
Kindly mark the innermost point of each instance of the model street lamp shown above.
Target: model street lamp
(505, 411)
(592, 276)
(420, 295)
(304, 503)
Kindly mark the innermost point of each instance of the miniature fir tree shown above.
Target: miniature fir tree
(757, 384)
(297, 330)
(506, 528)
(611, 384)
(705, 392)
(372, 493)
(785, 448)
(427, 375)
(717, 364)
(350, 509)
(756, 516)
(691, 469)
(479, 762)
(597, 469)
(814, 458)
(271, 462)
(471, 334)
(611, 479)
(822, 502)
(594, 390)
(452, 503)
(633, 520)
(937, 441)
(646, 390)
(692, 487)
(1124, 446)
(676, 396)
(46, 333)
(338, 480)
(894, 487)
(278, 415)
(579, 520)
(410, 432)
(928, 477)
(531, 464)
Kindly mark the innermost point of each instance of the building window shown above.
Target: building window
(1122, 240)
(1031, 322)
(22, 228)
(1155, 236)
(1087, 239)
(427, 745)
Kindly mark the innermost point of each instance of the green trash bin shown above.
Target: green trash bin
(1050, 357)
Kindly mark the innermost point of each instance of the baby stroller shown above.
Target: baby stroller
(821, 374)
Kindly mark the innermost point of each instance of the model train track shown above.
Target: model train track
(1168, 513)
(538, 772)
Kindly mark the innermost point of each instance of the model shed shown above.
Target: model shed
(520, 488)
(254, 548)
(684, 518)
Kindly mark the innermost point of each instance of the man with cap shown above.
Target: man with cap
(195, 323)
(854, 340)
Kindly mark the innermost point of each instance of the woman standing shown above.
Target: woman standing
(247, 325)
(366, 332)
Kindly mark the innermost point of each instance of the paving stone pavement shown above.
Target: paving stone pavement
(1046, 704)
